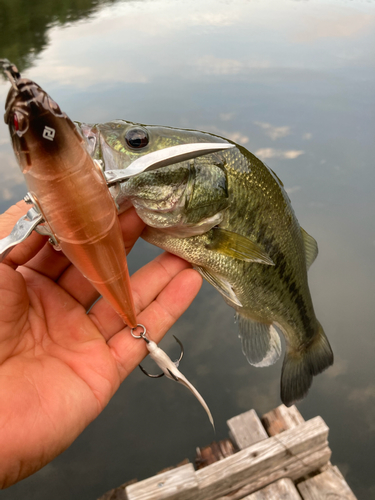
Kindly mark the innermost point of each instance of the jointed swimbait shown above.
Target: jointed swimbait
(65, 184)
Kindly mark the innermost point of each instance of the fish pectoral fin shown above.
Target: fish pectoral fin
(260, 342)
(311, 248)
(220, 284)
(237, 246)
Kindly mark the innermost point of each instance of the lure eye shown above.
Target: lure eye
(19, 122)
(15, 122)
(136, 138)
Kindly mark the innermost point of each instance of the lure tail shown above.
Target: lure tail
(300, 367)
(179, 377)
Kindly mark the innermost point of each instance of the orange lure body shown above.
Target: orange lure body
(71, 192)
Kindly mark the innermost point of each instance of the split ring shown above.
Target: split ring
(142, 335)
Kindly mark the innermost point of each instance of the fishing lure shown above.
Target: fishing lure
(64, 184)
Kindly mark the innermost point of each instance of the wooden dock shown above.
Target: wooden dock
(280, 457)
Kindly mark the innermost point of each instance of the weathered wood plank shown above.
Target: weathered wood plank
(328, 485)
(284, 455)
(177, 484)
(283, 489)
(171, 467)
(281, 419)
(246, 429)
(214, 452)
(117, 493)
(292, 468)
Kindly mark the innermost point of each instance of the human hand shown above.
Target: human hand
(60, 366)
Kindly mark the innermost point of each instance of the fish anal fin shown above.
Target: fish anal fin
(220, 284)
(311, 247)
(260, 342)
(237, 246)
(300, 366)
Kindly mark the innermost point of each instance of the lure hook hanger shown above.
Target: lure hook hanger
(144, 337)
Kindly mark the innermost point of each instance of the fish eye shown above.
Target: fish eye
(136, 138)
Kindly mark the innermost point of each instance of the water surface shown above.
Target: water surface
(293, 82)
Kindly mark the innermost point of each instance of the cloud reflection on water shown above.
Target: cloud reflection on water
(266, 153)
(274, 132)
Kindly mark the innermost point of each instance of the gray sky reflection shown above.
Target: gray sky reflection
(293, 82)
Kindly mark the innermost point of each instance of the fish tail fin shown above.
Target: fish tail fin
(301, 366)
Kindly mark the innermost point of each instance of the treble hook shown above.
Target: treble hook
(177, 362)
(169, 367)
(143, 336)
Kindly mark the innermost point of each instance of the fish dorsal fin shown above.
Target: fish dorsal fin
(311, 248)
(220, 284)
(237, 246)
(260, 342)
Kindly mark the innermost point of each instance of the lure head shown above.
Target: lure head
(39, 129)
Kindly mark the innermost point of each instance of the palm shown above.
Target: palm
(59, 366)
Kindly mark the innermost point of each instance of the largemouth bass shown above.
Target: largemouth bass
(67, 185)
(228, 214)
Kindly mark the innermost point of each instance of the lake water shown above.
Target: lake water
(292, 81)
